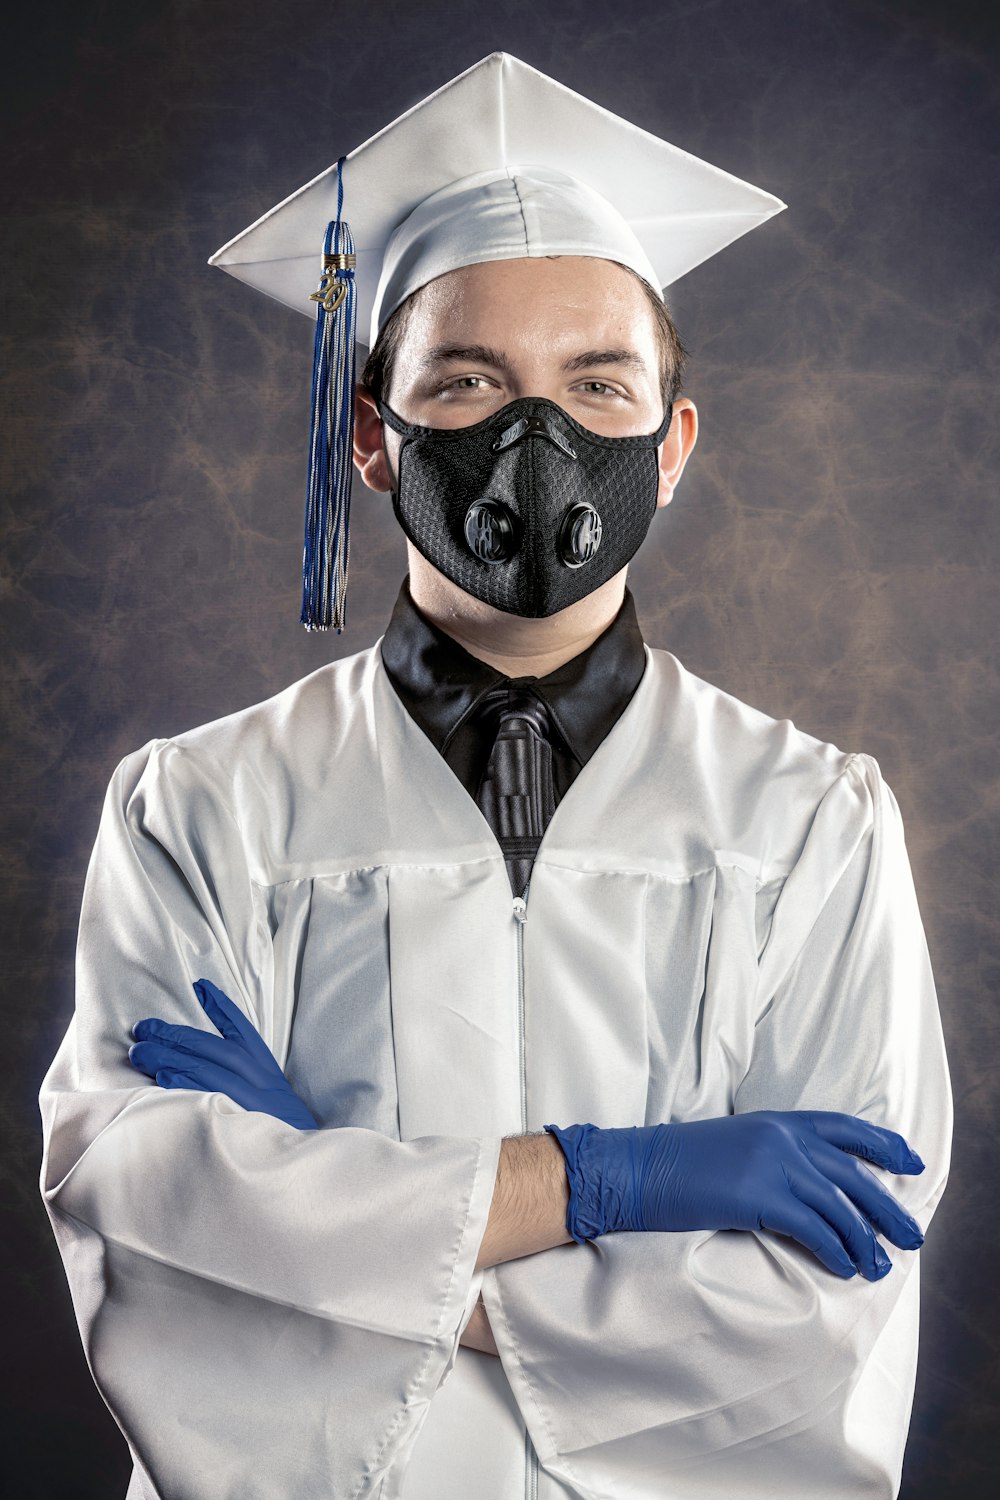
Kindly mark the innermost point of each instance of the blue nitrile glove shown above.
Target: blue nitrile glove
(787, 1171)
(238, 1063)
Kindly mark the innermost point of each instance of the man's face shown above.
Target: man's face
(578, 330)
(575, 329)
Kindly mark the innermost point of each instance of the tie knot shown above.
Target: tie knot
(502, 705)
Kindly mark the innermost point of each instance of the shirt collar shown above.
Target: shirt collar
(440, 682)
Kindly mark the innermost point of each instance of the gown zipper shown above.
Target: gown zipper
(521, 916)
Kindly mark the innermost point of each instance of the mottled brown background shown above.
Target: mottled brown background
(830, 556)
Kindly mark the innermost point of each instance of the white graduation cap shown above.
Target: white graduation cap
(500, 162)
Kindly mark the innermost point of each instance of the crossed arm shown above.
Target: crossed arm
(531, 1191)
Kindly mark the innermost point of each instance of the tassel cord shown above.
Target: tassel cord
(326, 543)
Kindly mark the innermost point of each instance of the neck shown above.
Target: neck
(516, 646)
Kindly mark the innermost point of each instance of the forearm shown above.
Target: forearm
(530, 1200)
(528, 1214)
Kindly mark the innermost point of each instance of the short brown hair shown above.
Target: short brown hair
(377, 373)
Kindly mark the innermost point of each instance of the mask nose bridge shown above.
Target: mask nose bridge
(538, 424)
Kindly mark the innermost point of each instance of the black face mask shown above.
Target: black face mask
(527, 509)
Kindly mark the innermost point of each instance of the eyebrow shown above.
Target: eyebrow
(442, 354)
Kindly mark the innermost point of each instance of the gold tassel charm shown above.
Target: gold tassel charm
(332, 290)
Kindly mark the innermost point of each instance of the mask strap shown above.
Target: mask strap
(395, 421)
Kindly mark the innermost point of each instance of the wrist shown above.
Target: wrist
(602, 1168)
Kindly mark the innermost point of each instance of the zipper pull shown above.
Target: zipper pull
(520, 909)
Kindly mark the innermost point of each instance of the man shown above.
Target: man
(506, 869)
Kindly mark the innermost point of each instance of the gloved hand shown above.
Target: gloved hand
(787, 1171)
(238, 1063)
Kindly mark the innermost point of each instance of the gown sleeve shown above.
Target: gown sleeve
(265, 1311)
(710, 1363)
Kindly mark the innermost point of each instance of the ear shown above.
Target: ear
(676, 448)
(369, 452)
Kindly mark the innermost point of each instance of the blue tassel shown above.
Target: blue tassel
(326, 549)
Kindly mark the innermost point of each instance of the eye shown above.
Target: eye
(602, 388)
(458, 384)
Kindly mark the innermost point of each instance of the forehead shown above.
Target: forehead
(536, 300)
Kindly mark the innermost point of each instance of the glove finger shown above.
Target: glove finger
(188, 1074)
(865, 1190)
(190, 1040)
(230, 1020)
(214, 1079)
(282, 1103)
(151, 1055)
(826, 1199)
(796, 1219)
(886, 1148)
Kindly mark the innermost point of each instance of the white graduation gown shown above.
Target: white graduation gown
(721, 918)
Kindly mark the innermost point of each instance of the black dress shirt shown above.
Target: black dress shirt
(441, 684)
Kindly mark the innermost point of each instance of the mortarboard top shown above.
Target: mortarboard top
(498, 114)
(499, 163)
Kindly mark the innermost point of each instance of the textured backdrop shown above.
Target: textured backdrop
(830, 556)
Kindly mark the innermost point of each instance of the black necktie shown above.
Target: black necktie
(517, 792)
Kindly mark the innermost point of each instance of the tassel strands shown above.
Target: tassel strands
(326, 549)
